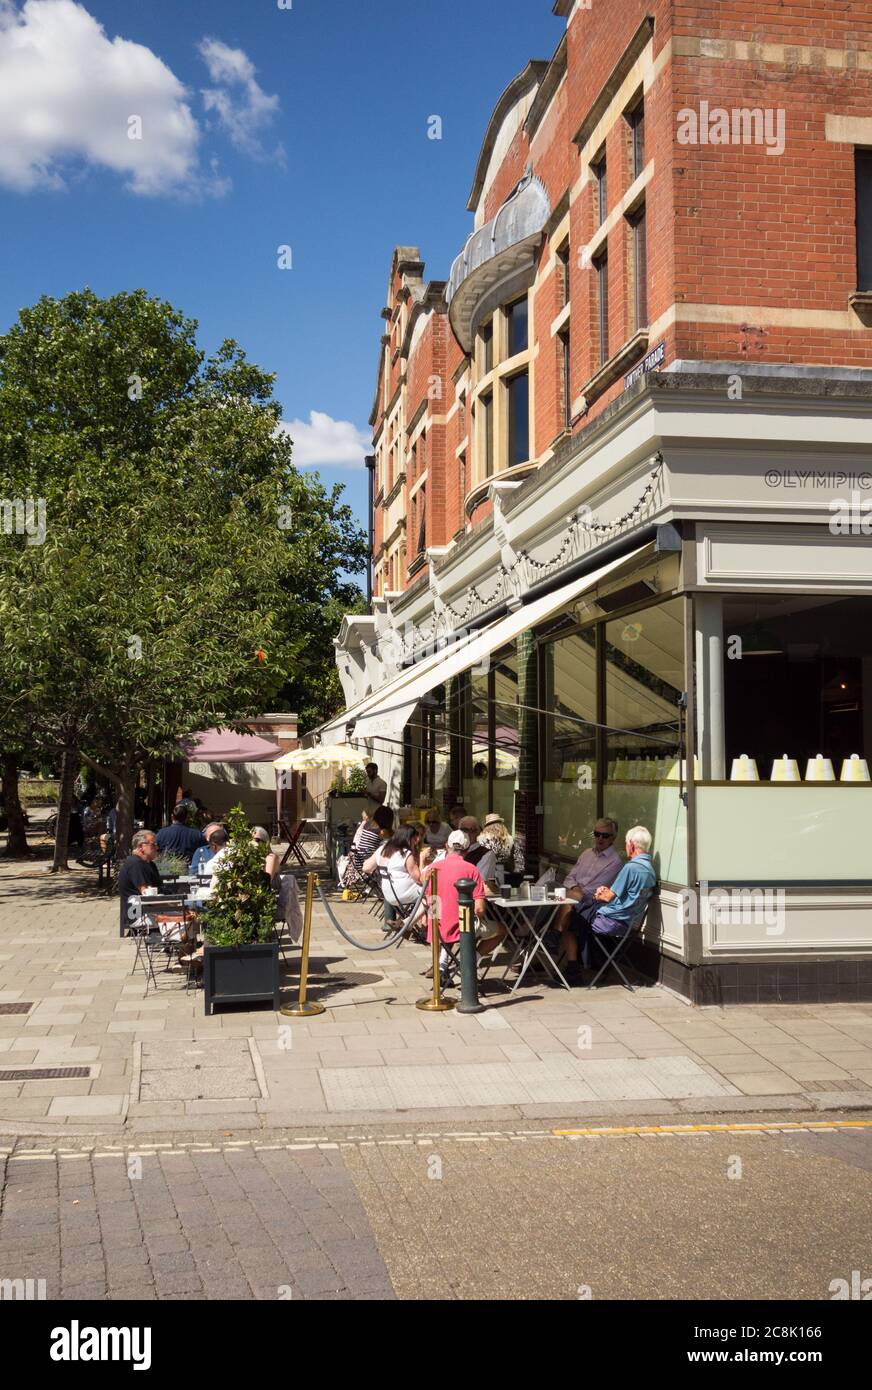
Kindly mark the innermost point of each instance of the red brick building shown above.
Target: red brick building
(623, 494)
(658, 226)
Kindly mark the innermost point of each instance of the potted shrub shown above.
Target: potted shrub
(352, 783)
(241, 954)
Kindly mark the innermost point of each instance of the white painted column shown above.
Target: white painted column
(710, 686)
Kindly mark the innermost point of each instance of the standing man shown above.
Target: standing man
(376, 788)
(137, 872)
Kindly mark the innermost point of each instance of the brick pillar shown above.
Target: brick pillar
(527, 793)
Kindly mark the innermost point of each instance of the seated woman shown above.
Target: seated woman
(373, 829)
(399, 859)
(436, 831)
(495, 836)
(271, 863)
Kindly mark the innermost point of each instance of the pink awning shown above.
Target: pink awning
(222, 746)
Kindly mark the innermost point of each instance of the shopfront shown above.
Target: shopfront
(734, 721)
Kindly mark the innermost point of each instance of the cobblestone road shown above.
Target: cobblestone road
(504, 1215)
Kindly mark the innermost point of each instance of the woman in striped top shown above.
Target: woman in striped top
(367, 838)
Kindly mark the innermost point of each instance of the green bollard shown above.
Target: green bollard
(468, 956)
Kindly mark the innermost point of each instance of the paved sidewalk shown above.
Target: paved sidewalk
(157, 1064)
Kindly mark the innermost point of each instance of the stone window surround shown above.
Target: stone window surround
(495, 382)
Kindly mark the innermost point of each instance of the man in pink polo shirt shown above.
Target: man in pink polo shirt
(448, 871)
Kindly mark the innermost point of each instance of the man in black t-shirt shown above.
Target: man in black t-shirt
(137, 872)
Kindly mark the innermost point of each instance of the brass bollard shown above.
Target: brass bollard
(435, 1003)
(305, 1008)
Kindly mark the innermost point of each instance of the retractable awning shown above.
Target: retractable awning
(386, 713)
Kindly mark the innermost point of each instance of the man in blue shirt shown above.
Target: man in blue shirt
(180, 838)
(614, 909)
(205, 852)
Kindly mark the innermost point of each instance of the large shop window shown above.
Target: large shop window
(568, 685)
(787, 796)
(491, 759)
(644, 681)
(428, 750)
(611, 736)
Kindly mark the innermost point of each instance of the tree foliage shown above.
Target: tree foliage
(185, 562)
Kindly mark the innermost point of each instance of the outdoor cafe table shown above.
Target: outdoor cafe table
(526, 922)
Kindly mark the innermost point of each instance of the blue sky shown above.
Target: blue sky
(312, 134)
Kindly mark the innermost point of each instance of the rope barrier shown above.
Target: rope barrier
(361, 945)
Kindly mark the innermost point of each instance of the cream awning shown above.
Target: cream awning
(386, 713)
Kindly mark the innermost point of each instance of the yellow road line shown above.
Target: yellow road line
(759, 1128)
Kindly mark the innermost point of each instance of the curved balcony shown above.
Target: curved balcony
(506, 244)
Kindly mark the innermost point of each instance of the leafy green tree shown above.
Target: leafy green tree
(242, 905)
(162, 597)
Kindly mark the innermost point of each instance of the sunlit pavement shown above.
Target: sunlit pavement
(148, 1064)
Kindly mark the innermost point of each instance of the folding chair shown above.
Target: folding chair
(407, 912)
(293, 833)
(150, 941)
(612, 956)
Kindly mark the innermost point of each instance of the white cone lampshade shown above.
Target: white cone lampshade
(820, 769)
(744, 769)
(785, 770)
(855, 769)
(678, 771)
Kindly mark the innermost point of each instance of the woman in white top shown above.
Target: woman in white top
(399, 858)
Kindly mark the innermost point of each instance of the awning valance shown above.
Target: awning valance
(386, 713)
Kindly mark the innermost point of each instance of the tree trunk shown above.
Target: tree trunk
(16, 840)
(126, 798)
(69, 767)
(123, 779)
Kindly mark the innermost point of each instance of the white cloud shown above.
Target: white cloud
(327, 443)
(67, 93)
(244, 114)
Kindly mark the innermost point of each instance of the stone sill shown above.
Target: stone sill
(861, 302)
(610, 371)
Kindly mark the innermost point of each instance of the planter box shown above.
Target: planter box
(241, 975)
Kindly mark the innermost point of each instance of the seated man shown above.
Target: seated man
(613, 910)
(447, 872)
(482, 856)
(596, 867)
(138, 871)
(179, 838)
(218, 850)
(436, 831)
(205, 852)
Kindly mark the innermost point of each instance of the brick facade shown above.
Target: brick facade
(750, 246)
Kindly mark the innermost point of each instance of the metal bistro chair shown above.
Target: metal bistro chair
(407, 912)
(150, 941)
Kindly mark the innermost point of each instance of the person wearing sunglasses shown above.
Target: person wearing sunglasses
(596, 867)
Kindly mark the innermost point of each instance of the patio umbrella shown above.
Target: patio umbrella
(328, 755)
